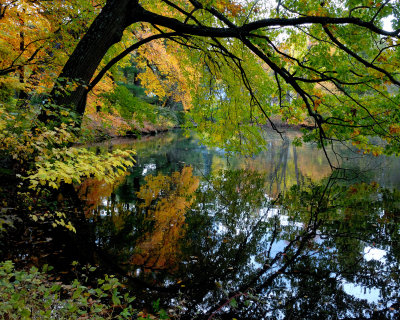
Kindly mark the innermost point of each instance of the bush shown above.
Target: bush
(32, 295)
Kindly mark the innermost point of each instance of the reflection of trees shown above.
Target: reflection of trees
(147, 233)
(349, 223)
(166, 199)
(290, 263)
(236, 237)
(147, 238)
(93, 192)
(287, 260)
(285, 165)
(279, 168)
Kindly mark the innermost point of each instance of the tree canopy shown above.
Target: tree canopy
(235, 65)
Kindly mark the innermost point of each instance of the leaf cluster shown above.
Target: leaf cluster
(32, 295)
(70, 165)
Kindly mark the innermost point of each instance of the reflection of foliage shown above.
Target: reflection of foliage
(292, 261)
(239, 190)
(226, 229)
(93, 191)
(342, 221)
(242, 256)
(166, 199)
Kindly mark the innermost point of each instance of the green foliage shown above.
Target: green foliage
(325, 63)
(128, 105)
(32, 295)
(137, 91)
(6, 93)
(46, 160)
(161, 312)
(122, 100)
(129, 102)
(70, 165)
(22, 137)
(49, 153)
(130, 73)
(224, 112)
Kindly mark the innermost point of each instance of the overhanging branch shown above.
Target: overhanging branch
(124, 53)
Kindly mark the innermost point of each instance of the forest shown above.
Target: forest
(199, 159)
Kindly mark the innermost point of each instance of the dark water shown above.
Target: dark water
(275, 236)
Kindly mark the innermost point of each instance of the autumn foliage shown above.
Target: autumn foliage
(165, 201)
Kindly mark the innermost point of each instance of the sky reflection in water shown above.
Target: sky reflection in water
(271, 236)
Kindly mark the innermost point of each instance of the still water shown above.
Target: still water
(279, 235)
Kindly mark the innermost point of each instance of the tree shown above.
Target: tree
(330, 61)
(35, 40)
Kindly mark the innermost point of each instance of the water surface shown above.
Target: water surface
(273, 236)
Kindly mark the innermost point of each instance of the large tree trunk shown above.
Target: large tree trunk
(105, 31)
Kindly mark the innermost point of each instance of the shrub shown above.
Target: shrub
(32, 295)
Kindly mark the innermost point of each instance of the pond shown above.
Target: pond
(205, 234)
